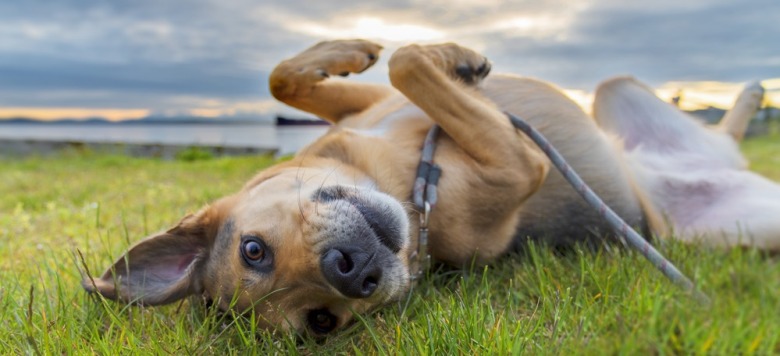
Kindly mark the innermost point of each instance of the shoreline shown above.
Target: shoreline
(30, 147)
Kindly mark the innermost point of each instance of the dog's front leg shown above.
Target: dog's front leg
(485, 185)
(437, 79)
(300, 81)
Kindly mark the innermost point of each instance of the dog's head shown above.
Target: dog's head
(302, 248)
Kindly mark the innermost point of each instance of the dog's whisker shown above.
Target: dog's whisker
(300, 208)
(299, 183)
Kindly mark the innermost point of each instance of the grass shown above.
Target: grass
(54, 208)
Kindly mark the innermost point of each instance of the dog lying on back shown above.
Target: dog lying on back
(310, 241)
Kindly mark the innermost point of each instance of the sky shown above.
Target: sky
(133, 58)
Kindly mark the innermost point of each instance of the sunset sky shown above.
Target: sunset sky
(129, 59)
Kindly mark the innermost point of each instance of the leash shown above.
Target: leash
(618, 225)
(425, 197)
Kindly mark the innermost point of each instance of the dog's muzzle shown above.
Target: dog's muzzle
(367, 231)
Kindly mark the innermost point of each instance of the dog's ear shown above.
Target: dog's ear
(165, 267)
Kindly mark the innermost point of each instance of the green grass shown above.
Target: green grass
(52, 209)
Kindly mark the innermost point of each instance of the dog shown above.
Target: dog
(331, 232)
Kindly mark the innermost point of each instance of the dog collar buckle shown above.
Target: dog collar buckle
(423, 259)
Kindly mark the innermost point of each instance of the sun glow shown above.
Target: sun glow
(701, 95)
(72, 113)
(693, 95)
(532, 26)
(373, 28)
(207, 109)
(583, 98)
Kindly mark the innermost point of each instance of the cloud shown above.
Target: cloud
(149, 54)
(726, 41)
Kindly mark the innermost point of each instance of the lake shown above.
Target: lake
(286, 139)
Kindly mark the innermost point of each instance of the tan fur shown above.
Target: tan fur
(496, 191)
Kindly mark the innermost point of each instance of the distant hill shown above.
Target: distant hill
(27, 120)
(199, 120)
(712, 115)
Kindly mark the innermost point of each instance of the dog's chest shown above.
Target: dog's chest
(379, 123)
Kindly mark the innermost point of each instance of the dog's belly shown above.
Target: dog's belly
(564, 223)
(406, 116)
(717, 206)
(556, 214)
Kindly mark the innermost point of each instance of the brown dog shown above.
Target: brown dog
(310, 241)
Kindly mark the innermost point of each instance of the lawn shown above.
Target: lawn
(53, 210)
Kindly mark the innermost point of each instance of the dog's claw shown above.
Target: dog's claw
(472, 75)
(484, 69)
(464, 72)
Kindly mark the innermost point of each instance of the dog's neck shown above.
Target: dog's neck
(336, 151)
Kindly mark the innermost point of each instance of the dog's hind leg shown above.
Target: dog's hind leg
(736, 120)
(631, 111)
(301, 81)
(695, 176)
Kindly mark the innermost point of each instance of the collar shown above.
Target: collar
(424, 197)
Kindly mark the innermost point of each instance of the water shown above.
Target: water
(287, 139)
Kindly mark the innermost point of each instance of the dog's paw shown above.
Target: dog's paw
(340, 57)
(459, 62)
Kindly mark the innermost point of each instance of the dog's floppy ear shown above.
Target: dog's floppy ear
(165, 267)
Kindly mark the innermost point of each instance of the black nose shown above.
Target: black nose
(351, 270)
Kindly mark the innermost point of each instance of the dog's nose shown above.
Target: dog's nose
(351, 270)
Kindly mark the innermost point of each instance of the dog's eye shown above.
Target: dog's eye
(253, 250)
(256, 254)
(321, 321)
